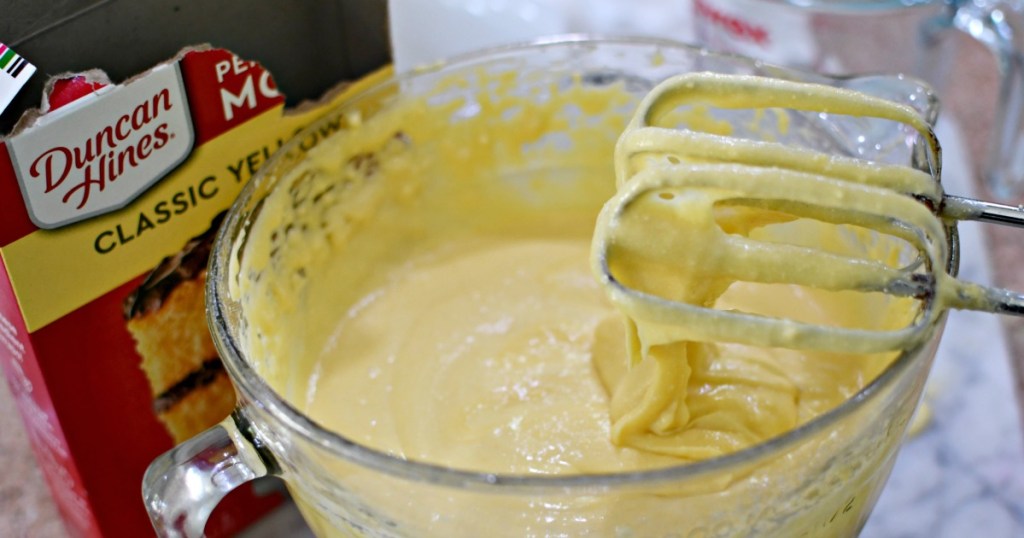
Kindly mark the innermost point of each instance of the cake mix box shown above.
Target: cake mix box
(111, 195)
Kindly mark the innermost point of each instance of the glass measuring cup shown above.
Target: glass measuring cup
(822, 477)
(846, 37)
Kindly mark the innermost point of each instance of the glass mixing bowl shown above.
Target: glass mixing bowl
(820, 479)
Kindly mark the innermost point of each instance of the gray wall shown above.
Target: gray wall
(308, 45)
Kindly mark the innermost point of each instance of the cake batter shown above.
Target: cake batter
(470, 331)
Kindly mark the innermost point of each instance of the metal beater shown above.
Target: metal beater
(658, 163)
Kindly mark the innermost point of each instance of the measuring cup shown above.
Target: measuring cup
(846, 37)
(821, 478)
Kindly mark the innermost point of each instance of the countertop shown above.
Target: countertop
(961, 475)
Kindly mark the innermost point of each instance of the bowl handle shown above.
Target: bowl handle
(182, 486)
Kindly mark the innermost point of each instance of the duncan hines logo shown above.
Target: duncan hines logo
(101, 156)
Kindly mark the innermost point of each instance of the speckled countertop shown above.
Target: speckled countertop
(962, 475)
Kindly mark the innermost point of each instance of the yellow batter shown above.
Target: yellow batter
(427, 292)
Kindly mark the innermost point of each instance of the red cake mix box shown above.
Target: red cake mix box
(111, 195)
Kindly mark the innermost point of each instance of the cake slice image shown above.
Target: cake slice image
(166, 315)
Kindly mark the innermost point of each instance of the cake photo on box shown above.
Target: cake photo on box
(166, 315)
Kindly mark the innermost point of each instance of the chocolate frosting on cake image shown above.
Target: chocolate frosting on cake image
(173, 270)
(166, 316)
